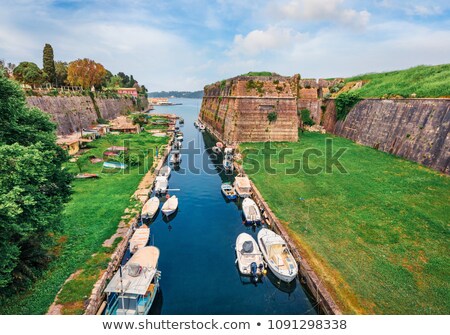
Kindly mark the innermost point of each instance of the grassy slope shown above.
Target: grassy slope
(424, 81)
(377, 235)
(90, 218)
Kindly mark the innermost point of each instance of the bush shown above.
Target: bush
(272, 116)
(345, 102)
(305, 115)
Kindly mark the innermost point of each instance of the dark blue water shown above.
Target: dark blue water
(197, 261)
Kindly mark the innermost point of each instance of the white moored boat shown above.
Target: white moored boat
(277, 255)
(139, 238)
(133, 288)
(161, 184)
(175, 157)
(201, 126)
(150, 208)
(242, 186)
(228, 159)
(249, 257)
(216, 150)
(170, 206)
(251, 211)
(165, 171)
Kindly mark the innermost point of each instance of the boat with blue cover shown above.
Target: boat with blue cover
(133, 288)
(228, 191)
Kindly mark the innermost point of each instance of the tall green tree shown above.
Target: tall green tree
(61, 73)
(29, 73)
(49, 64)
(33, 188)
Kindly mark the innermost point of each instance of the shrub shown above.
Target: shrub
(272, 116)
(305, 115)
(345, 102)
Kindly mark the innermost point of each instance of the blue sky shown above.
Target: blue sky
(184, 45)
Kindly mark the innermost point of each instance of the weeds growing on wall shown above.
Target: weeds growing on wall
(345, 102)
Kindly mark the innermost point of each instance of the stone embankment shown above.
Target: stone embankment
(415, 129)
(72, 113)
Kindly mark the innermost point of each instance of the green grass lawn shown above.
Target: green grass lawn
(424, 81)
(91, 217)
(378, 235)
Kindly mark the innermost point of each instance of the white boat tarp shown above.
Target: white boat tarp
(143, 263)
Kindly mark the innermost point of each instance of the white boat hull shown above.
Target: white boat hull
(244, 259)
(277, 255)
(150, 208)
(251, 211)
(170, 206)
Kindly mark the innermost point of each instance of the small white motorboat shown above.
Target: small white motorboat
(196, 124)
(180, 138)
(150, 208)
(228, 159)
(228, 191)
(139, 238)
(216, 150)
(165, 171)
(175, 157)
(242, 186)
(177, 145)
(161, 184)
(249, 257)
(170, 206)
(251, 211)
(277, 255)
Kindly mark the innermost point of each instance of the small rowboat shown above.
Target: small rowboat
(164, 172)
(251, 211)
(170, 206)
(139, 238)
(228, 191)
(114, 165)
(150, 208)
(86, 175)
(216, 150)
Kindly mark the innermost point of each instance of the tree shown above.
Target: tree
(33, 187)
(107, 78)
(61, 73)
(125, 79)
(49, 64)
(115, 81)
(85, 73)
(131, 82)
(29, 73)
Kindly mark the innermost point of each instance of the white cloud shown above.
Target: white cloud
(271, 39)
(416, 8)
(422, 10)
(325, 10)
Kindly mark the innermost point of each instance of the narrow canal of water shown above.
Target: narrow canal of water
(197, 261)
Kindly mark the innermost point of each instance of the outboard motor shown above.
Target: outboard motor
(254, 270)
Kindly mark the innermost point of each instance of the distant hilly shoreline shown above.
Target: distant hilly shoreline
(176, 94)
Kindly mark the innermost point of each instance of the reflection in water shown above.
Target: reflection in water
(281, 285)
(171, 217)
(157, 305)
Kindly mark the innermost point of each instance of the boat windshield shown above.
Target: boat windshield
(127, 303)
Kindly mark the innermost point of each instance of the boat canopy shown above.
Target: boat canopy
(243, 182)
(137, 274)
(247, 247)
